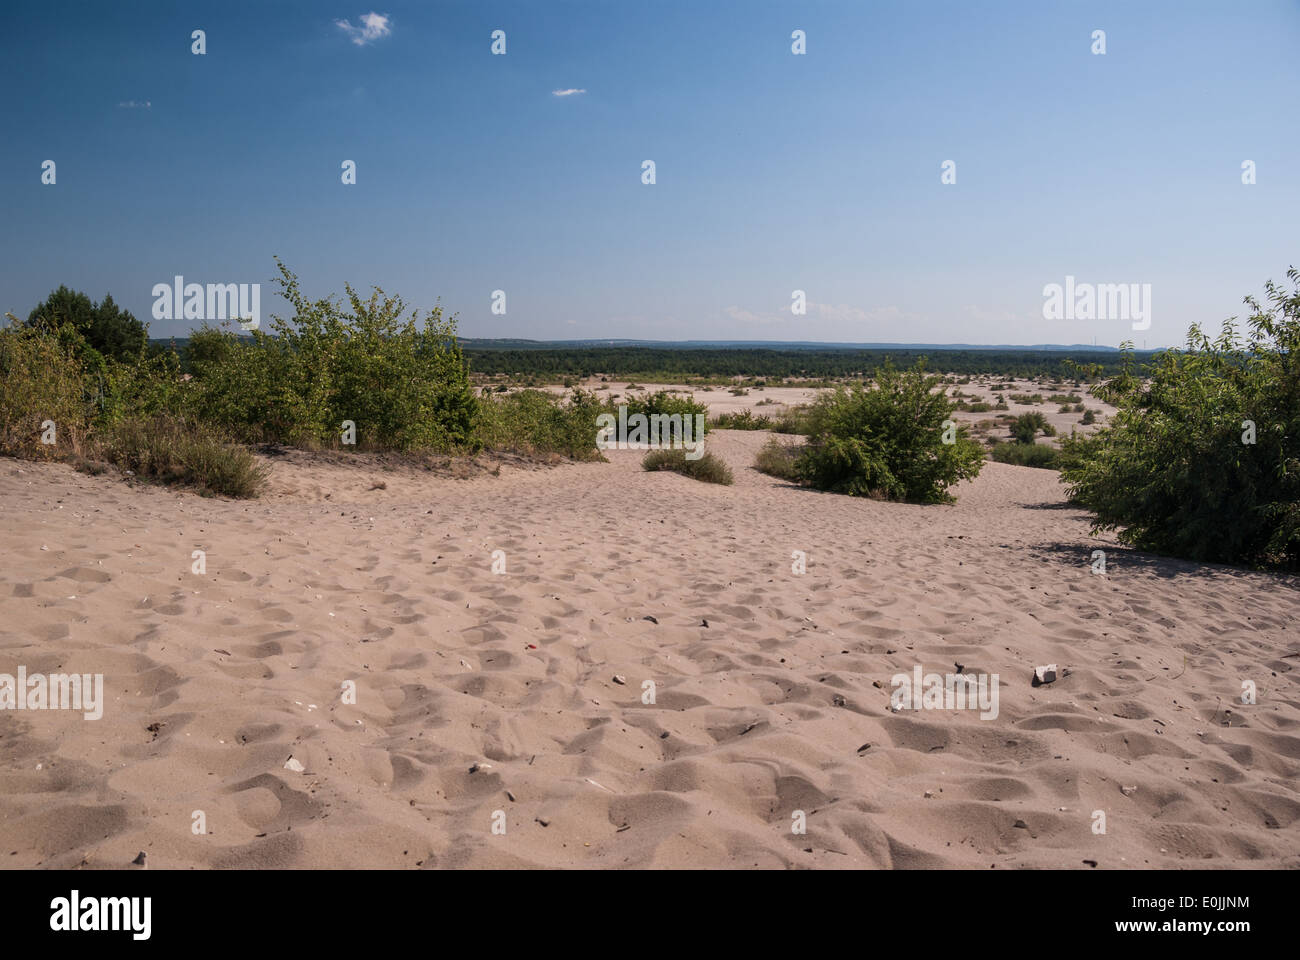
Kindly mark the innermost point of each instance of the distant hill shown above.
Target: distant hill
(506, 343)
(660, 361)
(520, 344)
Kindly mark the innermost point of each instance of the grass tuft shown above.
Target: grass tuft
(708, 468)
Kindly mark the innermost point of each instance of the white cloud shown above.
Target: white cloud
(568, 93)
(995, 317)
(373, 26)
(740, 315)
(136, 104)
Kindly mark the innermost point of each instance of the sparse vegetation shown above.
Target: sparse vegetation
(707, 469)
(794, 420)
(745, 420)
(1026, 455)
(779, 460)
(171, 450)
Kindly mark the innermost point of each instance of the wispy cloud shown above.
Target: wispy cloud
(135, 105)
(373, 27)
(567, 93)
(837, 321)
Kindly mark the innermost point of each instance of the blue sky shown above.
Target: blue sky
(774, 172)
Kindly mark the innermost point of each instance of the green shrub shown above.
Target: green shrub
(171, 450)
(1027, 426)
(1171, 472)
(41, 378)
(533, 421)
(745, 420)
(664, 403)
(887, 442)
(1026, 455)
(1089, 417)
(401, 380)
(778, 459)
(708, 468)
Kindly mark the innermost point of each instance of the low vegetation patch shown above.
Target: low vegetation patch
(536, 422)
(745, 420)
(1026, 455)
(708, 468)
(779, 460)
(170, 450)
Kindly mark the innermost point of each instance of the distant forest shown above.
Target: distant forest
(651, 363)
(659, 364)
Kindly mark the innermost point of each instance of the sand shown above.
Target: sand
(489, 698)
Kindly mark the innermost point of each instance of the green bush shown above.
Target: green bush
(664, 403)
(1089, 417)
(401, 380)
(533, 421)
(1172, 471)
(708, 468)
(1026, 455)
(41, 378)
(745, 420)
(887, 442)
(1027, 426)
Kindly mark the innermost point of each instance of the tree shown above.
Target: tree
(107, 329)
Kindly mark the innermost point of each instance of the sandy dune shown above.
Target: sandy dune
(781, 703)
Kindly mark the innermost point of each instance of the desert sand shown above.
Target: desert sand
(479, 692)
